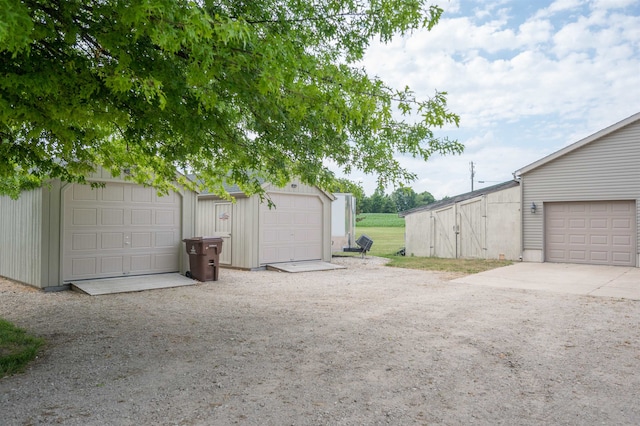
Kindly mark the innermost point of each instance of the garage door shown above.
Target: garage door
(292, 230)
(601, 232)
(119, 230)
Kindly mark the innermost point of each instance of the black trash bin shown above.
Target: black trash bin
(204, 257)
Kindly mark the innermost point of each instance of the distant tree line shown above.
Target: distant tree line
(403, 198)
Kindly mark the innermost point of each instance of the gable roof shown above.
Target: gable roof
(461, 197)
(235, 191)
(576, 145)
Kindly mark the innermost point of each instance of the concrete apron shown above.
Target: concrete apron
(306, 266)
(592, 280)
(129, 284)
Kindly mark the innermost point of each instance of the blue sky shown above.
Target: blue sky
(527, 77)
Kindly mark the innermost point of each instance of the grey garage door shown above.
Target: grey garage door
(119, 230)
(292, 231)
(595, 232)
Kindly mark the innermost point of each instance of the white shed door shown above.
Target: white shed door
(471, 228)
(444, 233)
(119, 230)
(223, 222)
(595, 232)
(292, 230)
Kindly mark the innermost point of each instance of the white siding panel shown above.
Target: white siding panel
(418, 234)
(444, 233)
(21, 239)
(488, 226)
(472, 227)
(246, 235)
(205, 222)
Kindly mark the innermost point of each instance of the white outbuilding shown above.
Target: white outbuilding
(297, 228)
(482, 224)
(66, 232)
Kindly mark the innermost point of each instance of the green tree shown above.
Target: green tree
(379, 202)
(347, 186)
(404, 198)
(228, 90)
(425, 198)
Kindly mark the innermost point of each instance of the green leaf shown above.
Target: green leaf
(235, 92)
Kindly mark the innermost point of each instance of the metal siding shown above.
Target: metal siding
(326, 227)
(244, 233)
(343, 218)
(30, 233)
(250, 227)
(293, 187)
(503, 224)
(51, 196)
(472, 229)
(205, 222)
(246, 216)
(444, 233)
(489, 227)
(418, 234)
(188, 225)
(21, 237)
(605, 169)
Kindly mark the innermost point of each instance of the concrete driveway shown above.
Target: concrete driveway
(592, 280)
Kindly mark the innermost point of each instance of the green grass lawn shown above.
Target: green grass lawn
(387, 232)
(17, 348)
(464, 266)
(385, 220)
(386, 240)
(385, 229)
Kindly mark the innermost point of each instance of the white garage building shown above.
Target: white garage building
(581, 204)
(297, 228)
(65, 232)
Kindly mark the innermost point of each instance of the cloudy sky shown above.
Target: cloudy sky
(527, 77)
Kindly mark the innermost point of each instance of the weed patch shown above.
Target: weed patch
(17, 348)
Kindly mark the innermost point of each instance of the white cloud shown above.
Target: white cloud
(612, 4)
(559, 6)
(524, 84)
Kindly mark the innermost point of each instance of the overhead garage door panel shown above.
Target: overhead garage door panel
(597, 232)
(292, 231)
(119, 230)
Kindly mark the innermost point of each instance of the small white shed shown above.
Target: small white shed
(65, 232)
(343, 221)
(297, 228)
(483, 224)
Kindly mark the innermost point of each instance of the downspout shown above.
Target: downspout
(432, 235)
(521, 180)
(485, 249)
(456, 226)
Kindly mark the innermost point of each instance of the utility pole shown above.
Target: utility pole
(473, 173)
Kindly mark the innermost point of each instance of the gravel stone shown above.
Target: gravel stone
(366, 345)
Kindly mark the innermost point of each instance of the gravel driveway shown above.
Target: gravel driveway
(367, 345)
